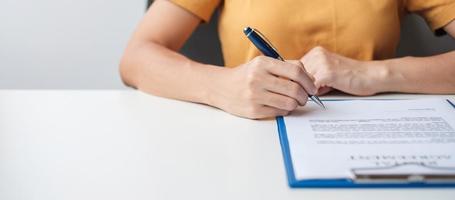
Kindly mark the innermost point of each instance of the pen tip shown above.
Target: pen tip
(321, 104)
(318, 101)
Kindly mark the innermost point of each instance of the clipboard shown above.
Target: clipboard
(363, 177)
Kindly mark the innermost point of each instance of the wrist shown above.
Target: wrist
(392, 78)
(219, 80)
(201, 84)
(379, 76)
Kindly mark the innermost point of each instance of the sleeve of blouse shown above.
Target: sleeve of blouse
(437, 13)
(201, 8)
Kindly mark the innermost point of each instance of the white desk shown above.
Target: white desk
(129, 145)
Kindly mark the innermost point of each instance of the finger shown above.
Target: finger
(300, 63)
(293, 72)
(324, 81)
(324, 90)
(278, 101)
(267, 111)
(286, 88)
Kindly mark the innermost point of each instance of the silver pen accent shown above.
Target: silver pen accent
(317, 100)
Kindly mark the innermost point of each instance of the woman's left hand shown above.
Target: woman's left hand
(331, 70)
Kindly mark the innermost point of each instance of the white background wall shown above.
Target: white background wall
(64, 43)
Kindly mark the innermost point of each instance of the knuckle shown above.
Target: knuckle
(295, 89)
(254, 65)
(290, 104)
(252, 79)
(296, 71)
(258, 60)
(252, 70)
(319, 49)
(314, 52)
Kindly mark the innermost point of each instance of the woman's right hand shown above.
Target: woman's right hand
(262, 88)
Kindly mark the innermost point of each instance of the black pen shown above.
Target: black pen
(261, 42)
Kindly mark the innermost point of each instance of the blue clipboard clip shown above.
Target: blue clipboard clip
(395, 174)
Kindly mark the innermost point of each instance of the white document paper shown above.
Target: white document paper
(350, 134)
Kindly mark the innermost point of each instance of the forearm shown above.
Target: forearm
(431, 75)
(157, 70)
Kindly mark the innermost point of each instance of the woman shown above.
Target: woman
(346, 45)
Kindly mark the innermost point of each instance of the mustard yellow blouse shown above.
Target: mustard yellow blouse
(359, 29)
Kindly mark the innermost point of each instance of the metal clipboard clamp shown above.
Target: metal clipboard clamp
(404, 173)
